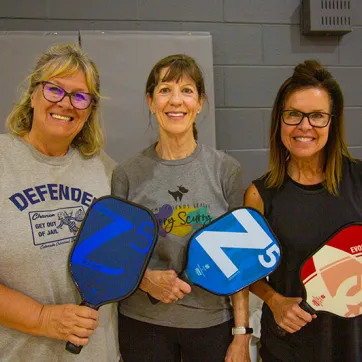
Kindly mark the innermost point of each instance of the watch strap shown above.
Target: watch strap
(242, 330)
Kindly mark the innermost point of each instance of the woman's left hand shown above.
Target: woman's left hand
(238, 350)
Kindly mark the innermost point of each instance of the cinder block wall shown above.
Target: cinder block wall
(256, 45)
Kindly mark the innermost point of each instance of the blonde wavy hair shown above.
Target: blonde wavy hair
(62, 61)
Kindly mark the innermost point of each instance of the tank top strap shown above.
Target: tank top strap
(266, 193)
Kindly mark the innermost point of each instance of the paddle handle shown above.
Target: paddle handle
(72, 348)
(306, 307)
(154, 301)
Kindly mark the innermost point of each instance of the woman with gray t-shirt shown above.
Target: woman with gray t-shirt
(186, 185)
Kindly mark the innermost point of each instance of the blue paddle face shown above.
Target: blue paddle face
(112, 250)
(232, 252)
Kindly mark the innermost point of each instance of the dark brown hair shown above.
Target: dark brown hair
(309, 74)
(178, 65)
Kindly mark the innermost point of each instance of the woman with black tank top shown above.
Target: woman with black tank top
(312, 188)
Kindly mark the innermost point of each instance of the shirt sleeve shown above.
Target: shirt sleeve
(120, 184)
(109, 164)
(231, 180)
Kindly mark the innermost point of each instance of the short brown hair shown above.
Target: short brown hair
(178, 65)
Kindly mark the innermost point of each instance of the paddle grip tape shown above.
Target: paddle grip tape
(154, 301)
(306, 307)
(72, 348)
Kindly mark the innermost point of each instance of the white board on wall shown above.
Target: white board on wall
(124, 60)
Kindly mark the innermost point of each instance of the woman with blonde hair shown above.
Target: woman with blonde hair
(52, 167)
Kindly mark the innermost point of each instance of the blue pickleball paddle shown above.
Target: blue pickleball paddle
(111, 252)
(232, 252)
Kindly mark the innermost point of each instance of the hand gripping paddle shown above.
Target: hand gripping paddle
(332, 276)
(111, 252)
(231, 252)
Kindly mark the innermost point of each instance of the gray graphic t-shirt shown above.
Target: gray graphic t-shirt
(184, 195)
(43, 201)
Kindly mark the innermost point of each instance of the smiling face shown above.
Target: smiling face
(59, 120)
(175, 104)
(304, 141)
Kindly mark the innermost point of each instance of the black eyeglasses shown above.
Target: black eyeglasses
(315, 119)
(53, 93)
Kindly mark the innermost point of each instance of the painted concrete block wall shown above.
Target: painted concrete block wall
(256, 44)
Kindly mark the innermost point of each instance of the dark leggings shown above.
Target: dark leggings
(144, 342)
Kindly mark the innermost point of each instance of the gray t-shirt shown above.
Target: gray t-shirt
(184, 195)
(43, 200)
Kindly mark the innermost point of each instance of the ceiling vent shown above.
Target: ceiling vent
(326, 17)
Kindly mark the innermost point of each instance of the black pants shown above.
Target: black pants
(144, 342)
(266, 356)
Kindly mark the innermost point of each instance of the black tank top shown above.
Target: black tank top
(302, 218)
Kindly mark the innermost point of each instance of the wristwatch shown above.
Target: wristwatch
(242, 330)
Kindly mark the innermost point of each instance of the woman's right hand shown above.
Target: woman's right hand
(288, 314)
(164, 285)
(68, 322)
